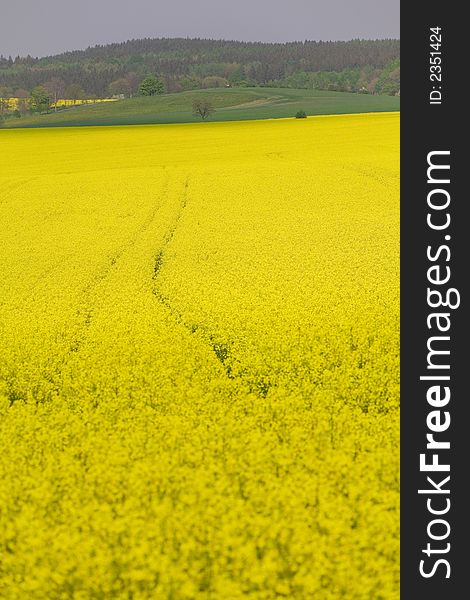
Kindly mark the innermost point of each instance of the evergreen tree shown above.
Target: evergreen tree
(39, 100)
(151, 86)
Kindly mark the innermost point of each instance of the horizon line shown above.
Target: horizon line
(206, 39)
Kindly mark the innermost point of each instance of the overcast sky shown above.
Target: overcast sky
(41, 28)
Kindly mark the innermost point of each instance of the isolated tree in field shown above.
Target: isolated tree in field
(39, 100)
(202, 108)
(55, 87)
(151, 86)
(74, 92)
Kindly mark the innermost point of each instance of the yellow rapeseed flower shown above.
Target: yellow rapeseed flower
(200, 361)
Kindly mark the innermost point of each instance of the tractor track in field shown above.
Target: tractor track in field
(12, 187)
(221, 350)
(86, 310)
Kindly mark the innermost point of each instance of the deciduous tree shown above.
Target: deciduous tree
(55, 88)
(151, 86)
(119, 87)
(202, 108)
(22, 96)
(74, 92)
(39, 100)
(5, 95)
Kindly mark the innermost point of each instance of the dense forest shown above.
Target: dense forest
(183, 64)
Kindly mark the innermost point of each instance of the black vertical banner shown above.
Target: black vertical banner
(434, 292)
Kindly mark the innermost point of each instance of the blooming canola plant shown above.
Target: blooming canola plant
(200, 361)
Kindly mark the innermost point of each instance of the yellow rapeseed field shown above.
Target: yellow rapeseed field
(200, 361)
(14, 102)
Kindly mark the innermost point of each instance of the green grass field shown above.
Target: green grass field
(231, 104)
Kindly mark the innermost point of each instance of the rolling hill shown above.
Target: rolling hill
(231, 104)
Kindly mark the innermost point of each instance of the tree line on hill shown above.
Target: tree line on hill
(368, 66)
(48, 96)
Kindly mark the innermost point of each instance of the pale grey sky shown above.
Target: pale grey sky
(53, 26)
